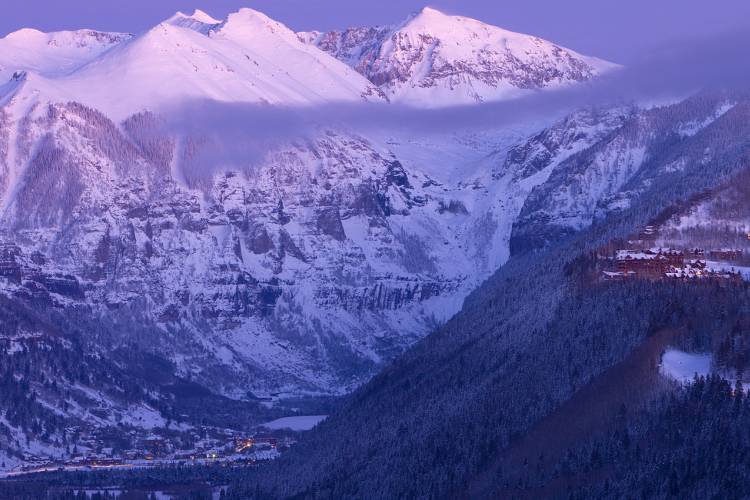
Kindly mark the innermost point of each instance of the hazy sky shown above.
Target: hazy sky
(612, 29)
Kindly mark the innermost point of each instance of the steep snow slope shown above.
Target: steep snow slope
(53, 53)
(433, 59)
(645, 147)
(246, 58)
(303, 274)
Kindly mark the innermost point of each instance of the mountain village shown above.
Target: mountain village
(637, 258)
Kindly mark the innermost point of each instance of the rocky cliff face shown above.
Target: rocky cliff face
(302, 273)
(636, 149)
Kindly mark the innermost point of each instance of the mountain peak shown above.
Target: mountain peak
(248, 15)
(428, 18)
(203, 17)
(436, 59)
(53, 53)
(431, 20)
(200, 18)
(197, 15)
(24, 34)
(197, 21)
(247, 58)
(247, 22)
(431, 11)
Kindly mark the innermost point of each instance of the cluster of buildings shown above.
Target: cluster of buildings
(669, 263)
(154, 450)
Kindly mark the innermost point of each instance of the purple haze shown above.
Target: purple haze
(612, 30)
(239, 135)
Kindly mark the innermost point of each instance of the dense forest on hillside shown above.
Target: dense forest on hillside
(408, 446)
(687, 443)
(44, 353)
(691, 443)
(438, 419)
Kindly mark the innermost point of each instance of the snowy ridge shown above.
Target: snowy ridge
(198, 21)
(433, 59)
(625, 162)
(246, 58)
(54, 53)
(429, 60)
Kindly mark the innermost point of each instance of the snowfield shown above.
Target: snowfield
(683, 366)
(298, 423)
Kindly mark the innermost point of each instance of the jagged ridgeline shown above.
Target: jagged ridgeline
(447, 418)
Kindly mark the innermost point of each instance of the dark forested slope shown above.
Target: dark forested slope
(527, 341)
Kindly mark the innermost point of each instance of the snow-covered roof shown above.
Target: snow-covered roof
(634, 255)
(666, 251)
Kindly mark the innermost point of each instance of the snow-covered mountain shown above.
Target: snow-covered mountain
(433, 59)
(53, 53)
(245, 58)
(299, 272)
(667, 144)
(303, 273)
